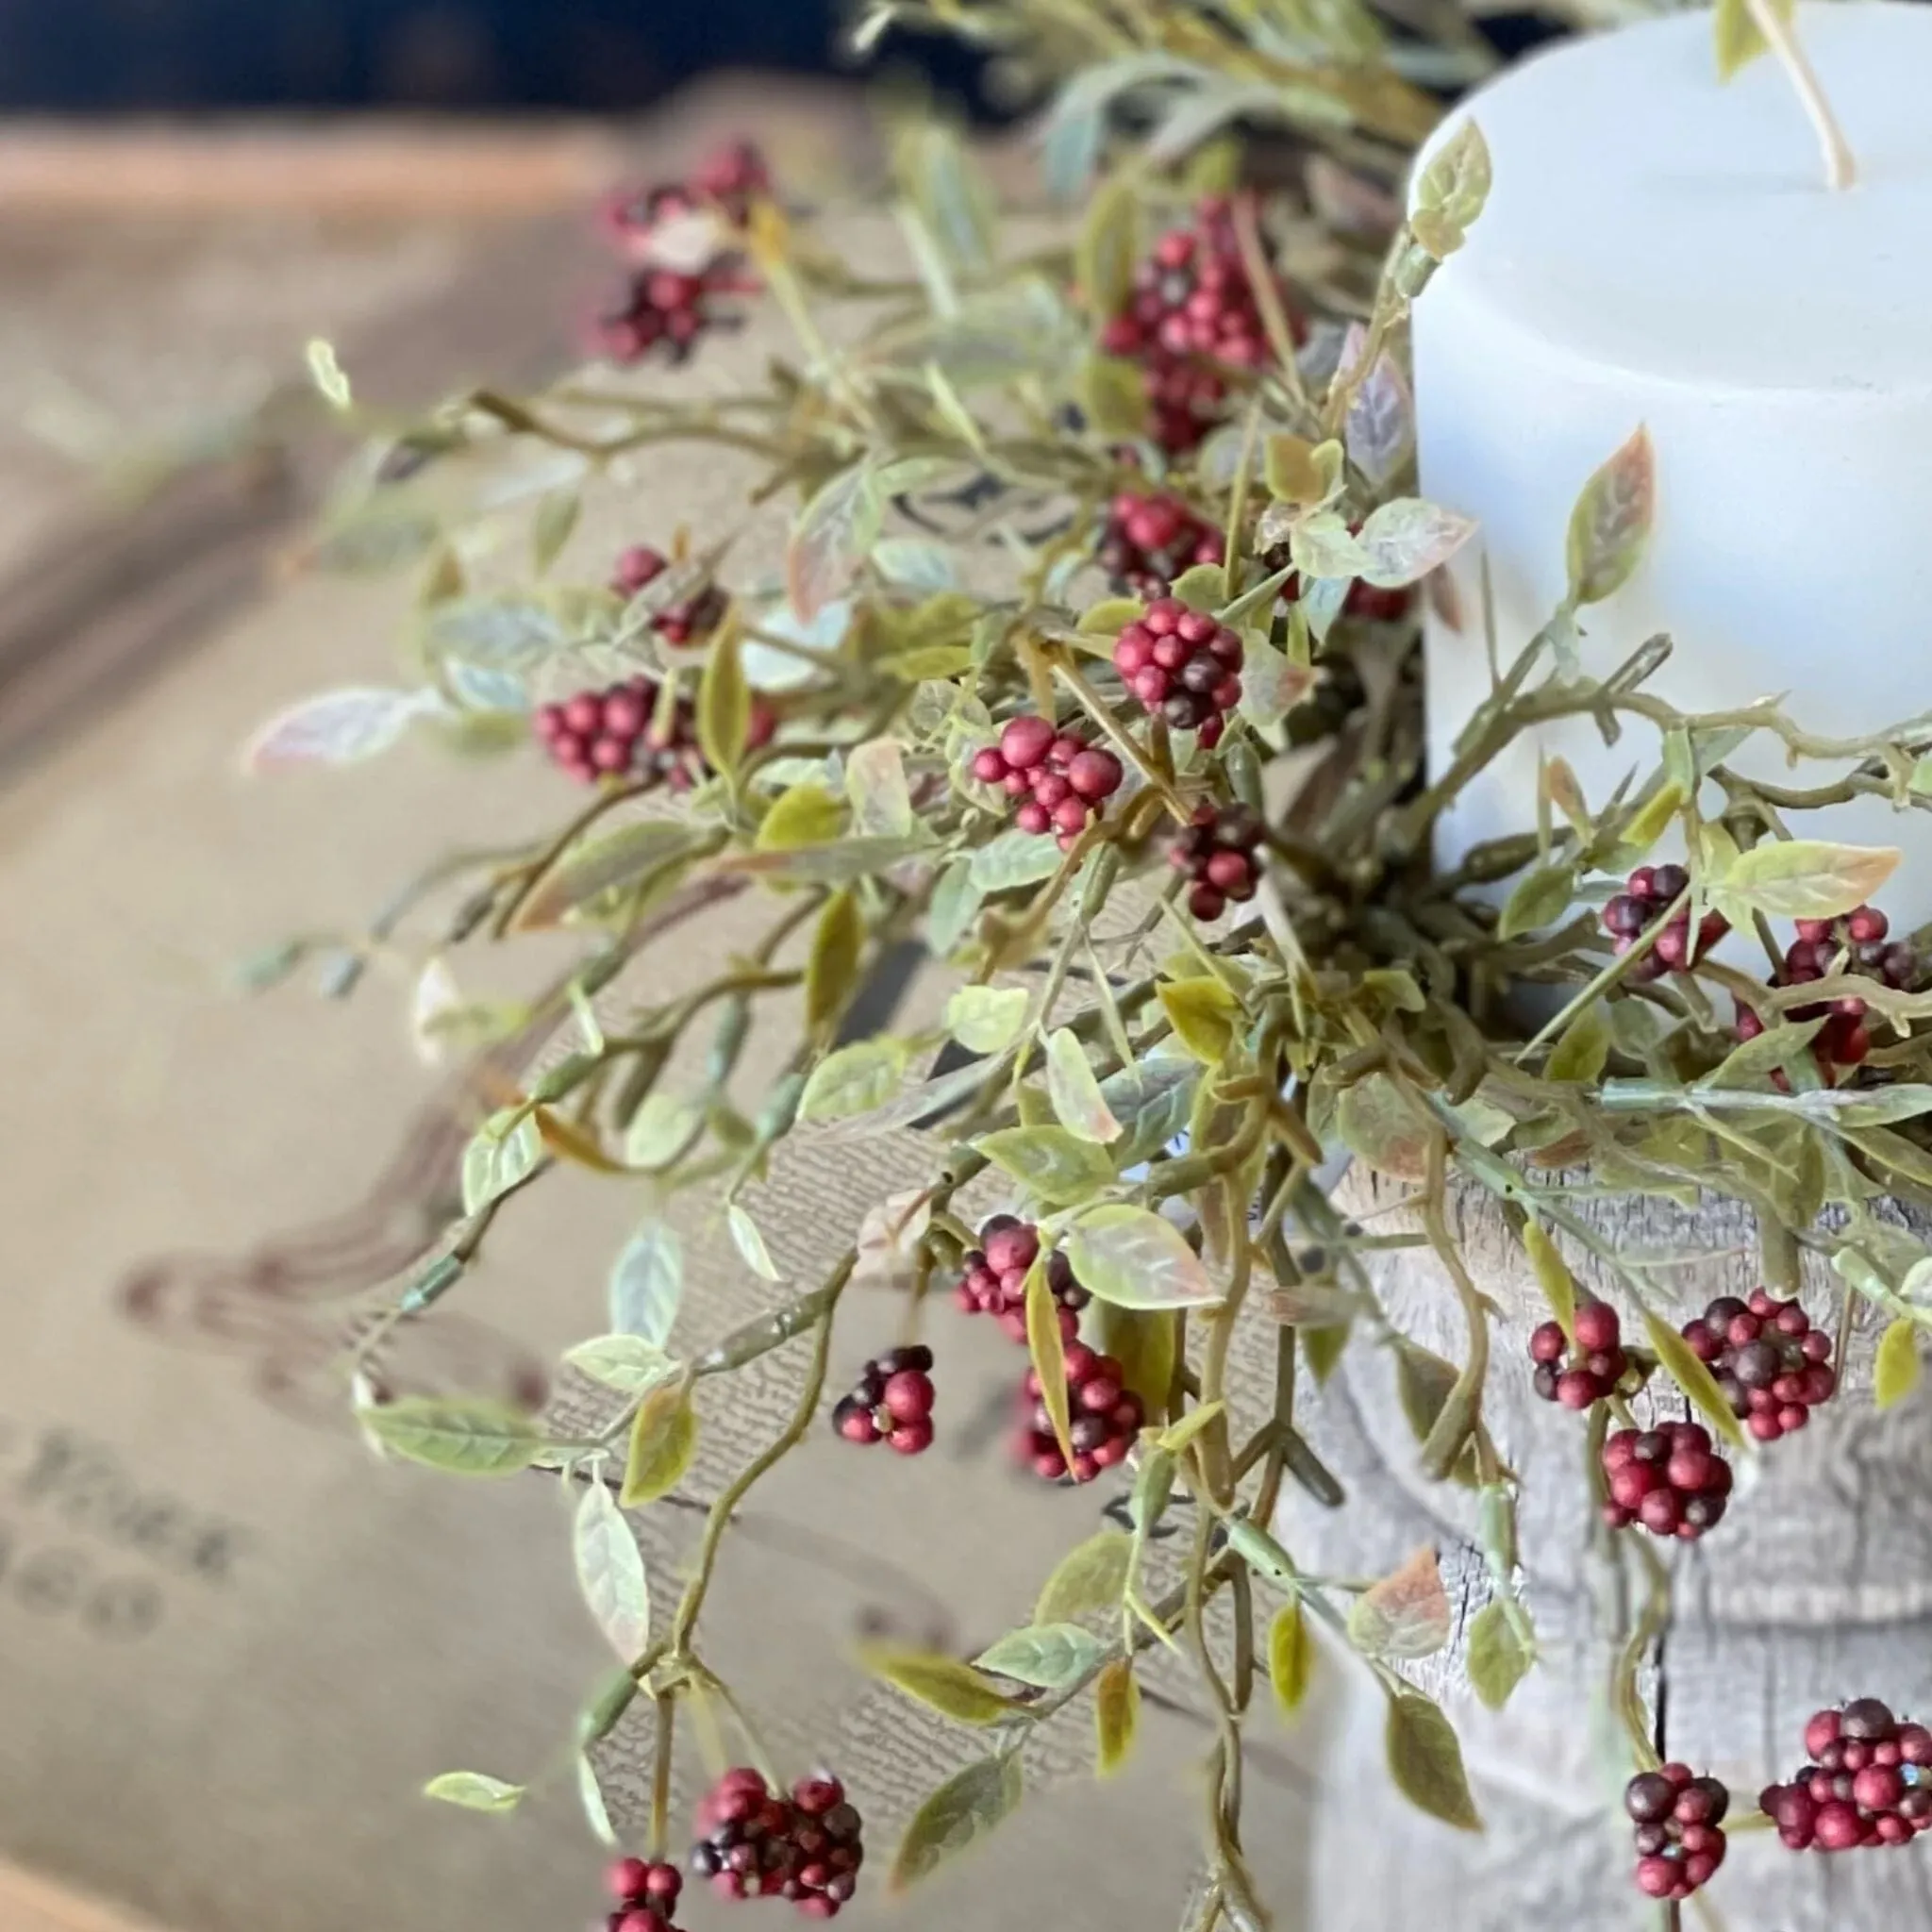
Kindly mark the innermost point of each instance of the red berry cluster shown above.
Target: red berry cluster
(1587, 1372)
(677, 624)
(1061, 782)
(1370, 602)
(1869, 1782)
(1680, 1843)
(995, 1282)
(614, 733)
(729, 179)
(1192, 307)
(1107, 1416)
(1647, 892)
(1775, 1368)
(1183, 664)
(752, 1844)
(891, 1402)
(1150, 540)
(1217, 853)
(1667, 1478)
(1823, 947)
(647, 1894)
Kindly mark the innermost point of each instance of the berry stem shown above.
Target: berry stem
(1781, 36)
(665, 1710)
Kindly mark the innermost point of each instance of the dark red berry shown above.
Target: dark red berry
(1107, 1418)
(1180, 663)
(995, 1281)
(1059, 782)
(891, 1402)
(1768, 1359)
(1679, 1840)
(1218, 851)
(1150, 539)
(1641, 1470)
(1590, 1371)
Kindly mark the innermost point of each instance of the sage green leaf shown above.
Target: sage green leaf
(1201, 587)
(647, 1284)
(1450, 192)
(1323, 545)
(1078, 1101)
(1271, 683)
(828, 865)
(1015, 859)
(750, 1243)
(622, 858)
(591, 1796)
(503, 1152)
(1108, 246)
(1552, 1276)
(941, 1683)
(968, 1805)
(660, 1129)
(1540, 898)
(623, 1362)
(610, 1572)
(876, 784)
(1896, 1370)
(1047, 1655)
(550, 529)
(987, 1019)
(1698, 1384)
(1583, 1051)
(663, 1440)
(460, 1434)
(1135, 1258)
(1426, 1760)
(724, 707)
(954, 907)
(1498, 1658)
(1610, 523)
(475, 1791)
(1088, 1580)
(1116, 1716)
(804, 815)
(1047, 1348)
(336, 728)
(1806, 878)
(831, 538)
(831, 968)
(1205, 1015)
(1408, 538)
(1059, 1167)
(1113, 392)
(1405, 1614)
(1291, 1656)
(1375, 1123)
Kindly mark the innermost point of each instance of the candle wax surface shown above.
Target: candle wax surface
(1661, 248)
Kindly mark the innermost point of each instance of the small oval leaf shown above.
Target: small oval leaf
(610, 1572)
(1611, 521)
(1137, 1260)
(941, 1683)
(968, 1805)
(1116, 1716)
(1698, 1384)
(1426, 1760)
(1048, 1349)
(1896, 1370)
(1090, 1579)
(987, 1019)
(1078, 1101)
(854, 1080)
(1498, 1658)
(459, 1435)
(663, 1440)
(1291, 1656)
(476, 1790)
(647, 1284)
(1047, 1655)
(1404, 1615)
(1059, 1167)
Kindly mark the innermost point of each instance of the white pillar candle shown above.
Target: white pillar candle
(1660, 248)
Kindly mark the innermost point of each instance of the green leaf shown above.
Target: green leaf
(1142, 1342)
(1583, 1051)
(1323, 545)
(462, 1435)
(660, 1129)
(1376, 1124)
(1405, 1614)
(1557, 1284)
(475, 1791)
(1610, 523)
(622, 1362)
(806, 814)
(1047, 1655)
(1540, 898)
(550, 529)
(1015, 859)
(1088, 1580)
(750, 1243)
(326, 373)
(663, 1440)
(1291, 1656)
(1049, 1353)
(1116, 1716)
(503, 1151)
(1299, 471)
(1201, 587)
(987, 1019)
(1450, 192)
(1077, 1100)
(1205, 1016)
(1408, 538)
(591, 1796)
(610, 1572)
(1059, 1167)
(1426, 1760)
(1113, 393)
(876, 783)
(647, 1283)
(724, 707)
(625, 857)
(1108, 246)
(968, 1805)
(1698, 1384)
(1271, 683)
(831, 969)
(1896, 1370)
(1805, 879)
(952, 908)
(833, 534)
(1739, 39)
(1498, 1658)
(1135, 1258)
(940, 1683)
(854, 1080)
